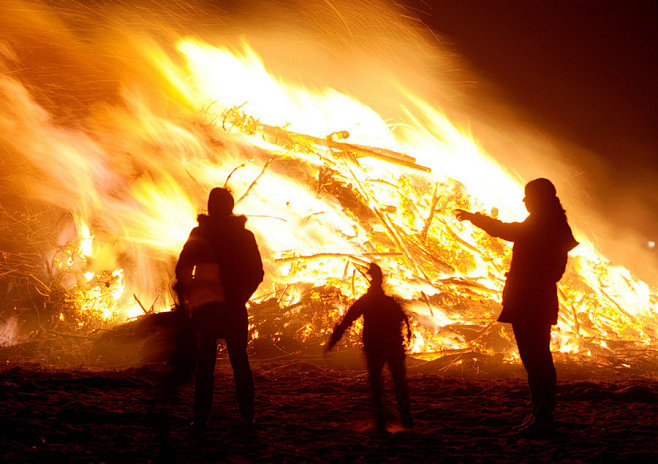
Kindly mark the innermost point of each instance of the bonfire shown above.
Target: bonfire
(109, 191)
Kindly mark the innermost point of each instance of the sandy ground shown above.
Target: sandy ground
(309, 411)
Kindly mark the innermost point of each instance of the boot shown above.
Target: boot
(539, 426)
(527, 420)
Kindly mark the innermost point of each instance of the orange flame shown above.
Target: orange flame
(134, 167)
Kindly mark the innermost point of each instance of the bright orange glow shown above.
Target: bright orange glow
(187, 114)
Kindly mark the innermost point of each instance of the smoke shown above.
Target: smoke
(8, 332)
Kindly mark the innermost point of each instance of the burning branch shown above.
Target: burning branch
(283, 137)
(430, 216)
(244, 195)
(337, 255)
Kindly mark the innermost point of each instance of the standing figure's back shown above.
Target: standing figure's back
(218, 270)
(383, 343)
(382, 322)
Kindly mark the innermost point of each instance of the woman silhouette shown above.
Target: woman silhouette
(530, 303)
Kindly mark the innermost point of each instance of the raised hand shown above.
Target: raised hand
(463, 215)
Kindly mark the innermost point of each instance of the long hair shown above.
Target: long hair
(544, 194)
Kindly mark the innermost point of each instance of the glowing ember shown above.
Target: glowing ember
(326, 182)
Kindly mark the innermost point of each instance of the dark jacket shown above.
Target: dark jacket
(232, 249)
(382, 322)
(539, 258)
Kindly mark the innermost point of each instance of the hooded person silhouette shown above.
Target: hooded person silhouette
(382, 342)
(218, 270)
(530, 303)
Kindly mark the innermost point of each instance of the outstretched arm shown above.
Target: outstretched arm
(509, 231)
(352, 314)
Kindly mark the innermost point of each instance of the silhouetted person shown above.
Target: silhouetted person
(218, 270)
(382, 342)
(530, 301)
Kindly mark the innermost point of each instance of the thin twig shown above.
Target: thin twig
(244, 195)
(265, 216)
(430, 216)
(234, 170)
(140, 304)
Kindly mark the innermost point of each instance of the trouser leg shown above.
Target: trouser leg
(182, 360)
(534, 347)
(205, 372)
(375, 366)
(399, 373)
(236, 343)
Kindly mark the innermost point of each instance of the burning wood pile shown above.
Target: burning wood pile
(326, 183)
(450, 277)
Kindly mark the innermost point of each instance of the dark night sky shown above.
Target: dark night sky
(584, 70)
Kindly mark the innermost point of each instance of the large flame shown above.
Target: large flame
(326, 182)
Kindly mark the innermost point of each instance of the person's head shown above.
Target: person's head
(376, 275)
(540, 195)
(220, 202)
